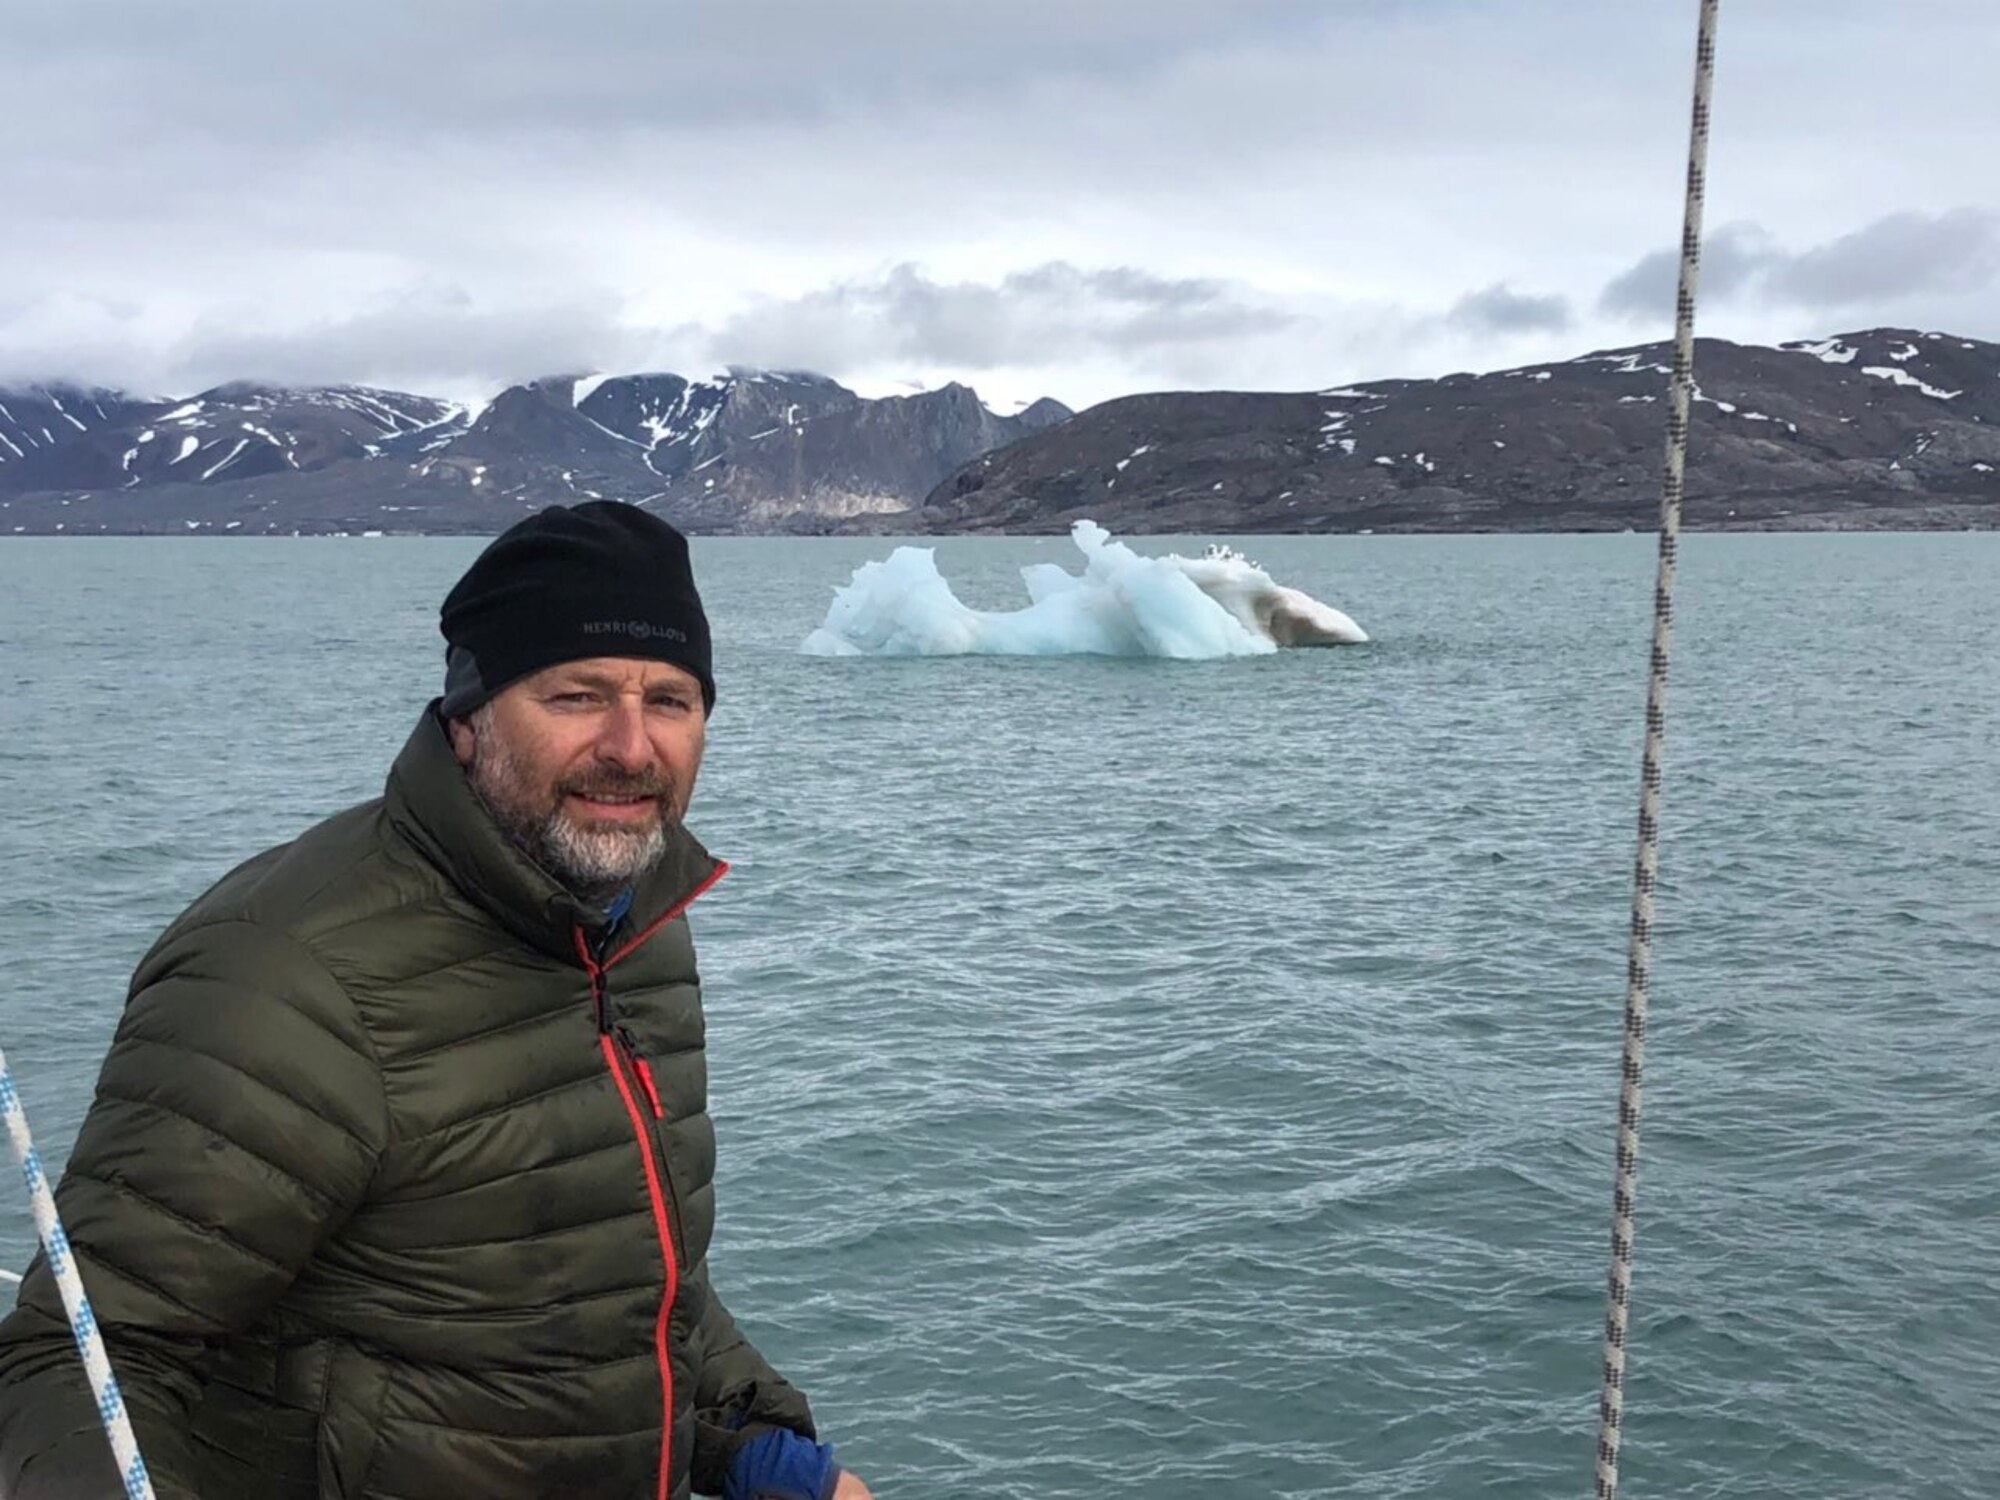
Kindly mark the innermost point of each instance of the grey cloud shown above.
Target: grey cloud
(1732, 259)
(1950, 252)
(266, 171)
(1894, 257)
(377, 67)
(426, 337)
(435, 336)
(1500, 309)
(1051, 311)
(65, 336)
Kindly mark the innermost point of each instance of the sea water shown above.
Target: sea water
(1190, 1079)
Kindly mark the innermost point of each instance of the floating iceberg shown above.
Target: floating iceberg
(1122, 604)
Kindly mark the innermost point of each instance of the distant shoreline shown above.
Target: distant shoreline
(1901, 525)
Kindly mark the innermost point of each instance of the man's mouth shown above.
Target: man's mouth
(617, 806)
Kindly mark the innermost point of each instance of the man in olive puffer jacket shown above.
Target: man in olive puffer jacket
(397, 1182)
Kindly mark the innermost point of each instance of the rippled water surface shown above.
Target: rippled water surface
(1179, 1080)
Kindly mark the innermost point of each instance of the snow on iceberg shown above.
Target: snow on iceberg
(1122, 604)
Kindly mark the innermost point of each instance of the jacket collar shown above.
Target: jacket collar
(430, 802)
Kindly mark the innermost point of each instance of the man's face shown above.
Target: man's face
(585, 765)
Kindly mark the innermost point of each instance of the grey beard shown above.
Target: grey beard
(592, 864)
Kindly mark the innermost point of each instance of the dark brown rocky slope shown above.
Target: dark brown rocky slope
(1888, 428)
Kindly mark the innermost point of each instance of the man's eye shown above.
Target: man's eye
(575, 698)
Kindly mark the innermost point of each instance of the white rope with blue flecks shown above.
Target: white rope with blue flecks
(1639, 959)
(82, 1322)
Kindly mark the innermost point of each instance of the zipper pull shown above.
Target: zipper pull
(652, 1091)
(642, 1070)
(599, 1010)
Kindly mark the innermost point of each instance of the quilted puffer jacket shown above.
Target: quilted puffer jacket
(397, 1185)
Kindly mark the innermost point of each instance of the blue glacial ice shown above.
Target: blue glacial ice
(1121, 604)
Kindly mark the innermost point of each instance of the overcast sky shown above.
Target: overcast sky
(1079, 199)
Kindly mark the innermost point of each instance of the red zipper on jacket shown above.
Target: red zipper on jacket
(612, 1039)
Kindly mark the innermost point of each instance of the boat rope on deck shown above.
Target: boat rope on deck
(1646, 866)
(82, 1322)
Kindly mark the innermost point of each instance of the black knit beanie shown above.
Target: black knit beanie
(599, 579)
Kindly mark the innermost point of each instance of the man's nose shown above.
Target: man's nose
(623, 740)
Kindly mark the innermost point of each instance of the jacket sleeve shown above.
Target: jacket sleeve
(737, 1395)
(237, 1120)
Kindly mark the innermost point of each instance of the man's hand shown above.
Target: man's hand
(851, 1488)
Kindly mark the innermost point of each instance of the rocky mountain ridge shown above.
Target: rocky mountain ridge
(747, 451)
(1888, 428)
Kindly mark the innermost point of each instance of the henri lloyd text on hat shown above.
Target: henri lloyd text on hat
(637, 629)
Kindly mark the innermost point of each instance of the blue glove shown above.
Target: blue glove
(781, 1465)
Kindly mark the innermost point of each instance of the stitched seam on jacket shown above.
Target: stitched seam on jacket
(653, 1054)
(168, 1211)
(540, 1234)
(373, 854)
(316, 1194)
(501, 1109)
(143, 1003)
(556, 1013)
(538, 1438)
(443, 1198)
(237, 915)
(406, 901)
(539, 1367)
(375, 1443)
(206, 1320)
(445, 968)
(265, 1083)
(371, 1054)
